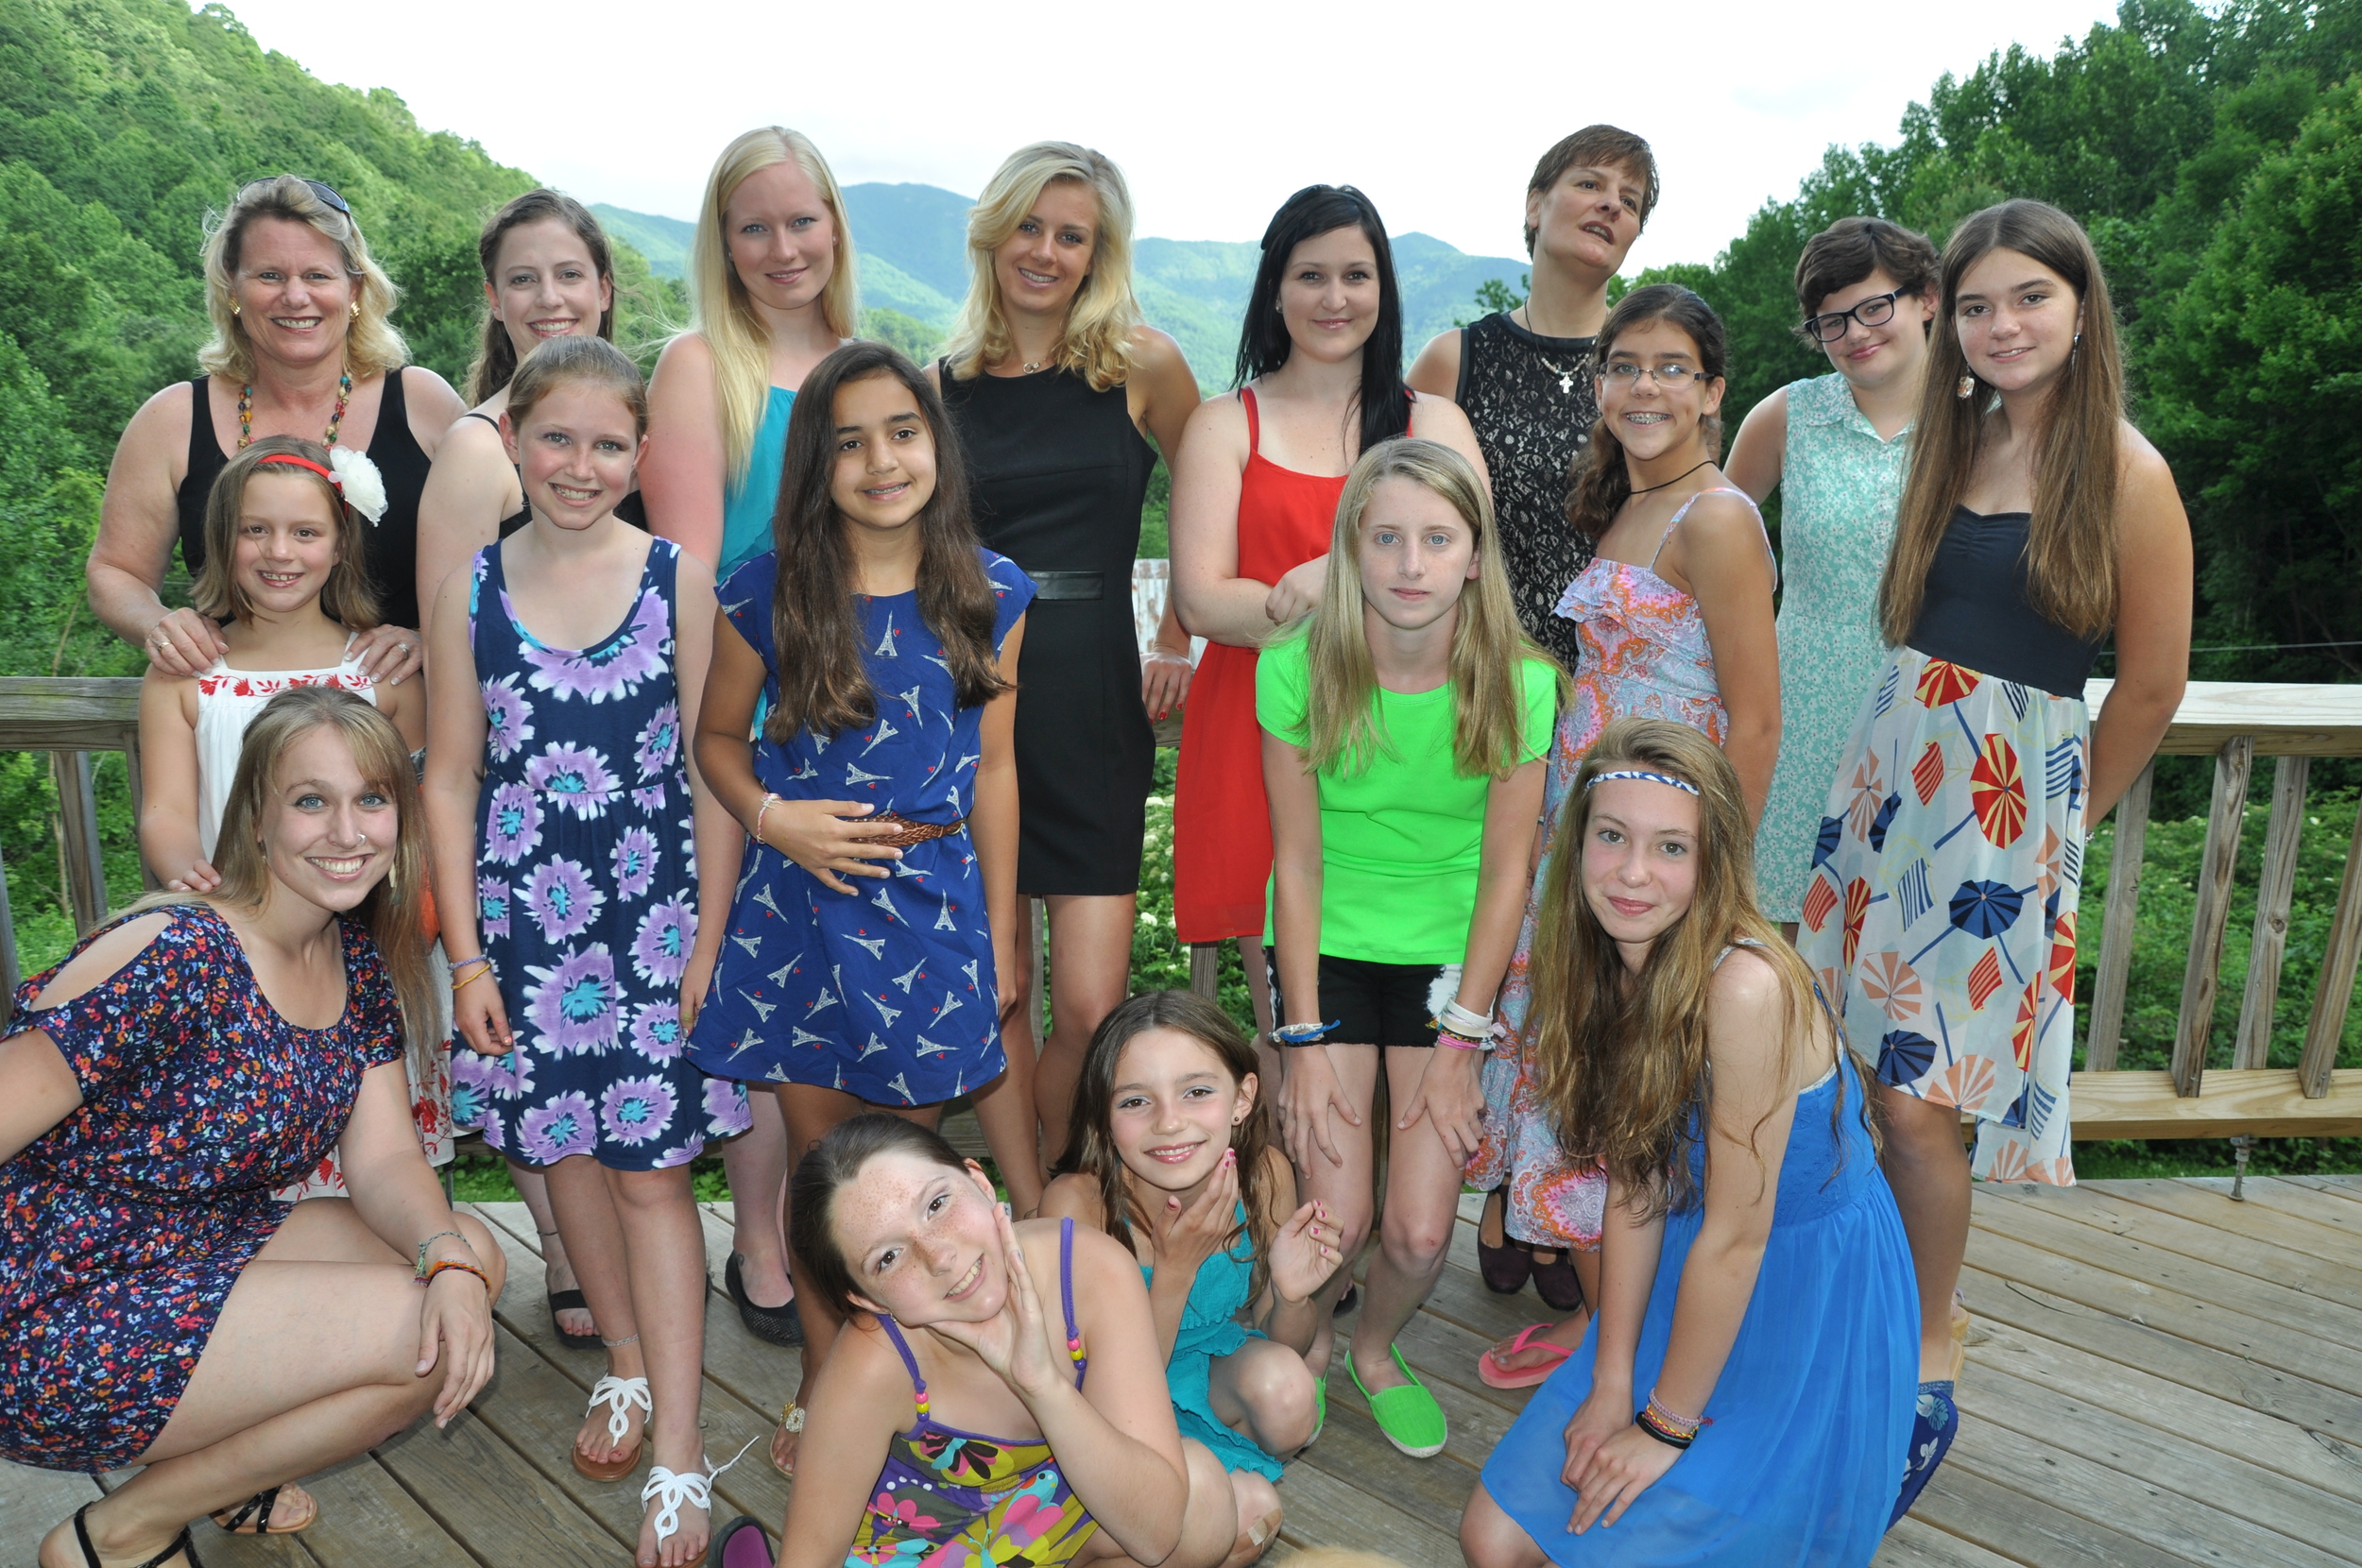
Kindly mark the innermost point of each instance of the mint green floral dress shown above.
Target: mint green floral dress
(1840, 486)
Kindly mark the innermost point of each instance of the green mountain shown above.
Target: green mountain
(912, 244)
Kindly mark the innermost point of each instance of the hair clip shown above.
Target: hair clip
(1681, 784)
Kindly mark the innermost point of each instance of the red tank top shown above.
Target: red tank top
(1222, 848)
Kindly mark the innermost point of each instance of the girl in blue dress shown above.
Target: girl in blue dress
(877, 898)
(566, 665)
(1746, 1393)
(1168, 1149)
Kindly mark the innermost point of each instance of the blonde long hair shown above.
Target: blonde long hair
(372, 344)
(394, 912)
(1488, 646)
(2071, 544)
(1623, 1058)
(1101, 319)
(720, 310)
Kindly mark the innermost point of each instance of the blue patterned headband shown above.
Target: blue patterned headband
(1681, 784)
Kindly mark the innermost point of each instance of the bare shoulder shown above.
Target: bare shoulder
(863, 1364)
(97, 964)
(1156, 353)
(1439, 412)
(433, 407)
(1747, 982)
(1723, 518)
(1770, 415)
(2140, 466)
(1220, 420)
(1437, 368)
(686, 355)
(1073, 1196)
(692, 574)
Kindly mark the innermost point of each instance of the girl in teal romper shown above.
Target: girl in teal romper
(1169, 1152)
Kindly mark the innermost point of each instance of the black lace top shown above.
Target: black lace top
(1532, 403)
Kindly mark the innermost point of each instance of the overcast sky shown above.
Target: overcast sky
(1215, 108)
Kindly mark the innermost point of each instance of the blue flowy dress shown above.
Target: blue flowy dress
(1812, 1414)
(887, 992)
(1210, 1327)
(587, 889)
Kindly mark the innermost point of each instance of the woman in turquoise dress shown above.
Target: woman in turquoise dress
(1835, 447)
(1746, 1393)
(771, 293)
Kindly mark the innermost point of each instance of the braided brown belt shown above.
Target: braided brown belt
(907, 832)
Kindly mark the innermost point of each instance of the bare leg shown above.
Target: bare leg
(810, 1111)
(557, 1272)
(665, 1245)
(756, 1164)
(313, 1360)
(1568, 1332)
(1414, 1235)
(1349, 1188)
(1273, 1056)
(585, 1206)
(1490, 1539)
(1264, 1391)
(1927, 1167)
(1216, 1527)
(1090, 973)
(1004, 1107)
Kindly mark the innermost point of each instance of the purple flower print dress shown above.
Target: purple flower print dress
(888, 993)
(586, 891)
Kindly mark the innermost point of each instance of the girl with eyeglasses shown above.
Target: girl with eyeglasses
(1674, 618)
(1835, 445)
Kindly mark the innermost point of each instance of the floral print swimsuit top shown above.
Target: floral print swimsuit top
(950, 1498)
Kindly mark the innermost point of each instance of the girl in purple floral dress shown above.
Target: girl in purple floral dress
(568, 661)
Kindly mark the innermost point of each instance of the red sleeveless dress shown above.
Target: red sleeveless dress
(1221, 822)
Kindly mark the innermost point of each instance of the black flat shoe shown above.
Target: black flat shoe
(740, 1543)
(781, 1325)
(1346, 1303)
(181, 1545)
(1507, 1267)
(1558, 1284)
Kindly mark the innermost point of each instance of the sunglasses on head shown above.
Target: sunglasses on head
(326, 193)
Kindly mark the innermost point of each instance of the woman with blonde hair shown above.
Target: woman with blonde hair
(186, 1060)
(771, 293)
(1405, 721)
(1057, 387)
(301, 345)
(1940, 917)
(1744, 1355)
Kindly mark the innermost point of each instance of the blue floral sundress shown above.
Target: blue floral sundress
(888, 993)
(587, 890)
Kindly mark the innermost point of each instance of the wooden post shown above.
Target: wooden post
(2115, 934)
(2336, 991)
(2211, 914)
(1206, 969)
(2274, 891)
(77, 817)
(9, 977)
(131, 771)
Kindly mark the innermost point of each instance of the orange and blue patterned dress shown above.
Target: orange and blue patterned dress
(122, 1228)
(1645, 656)
(949, 1498)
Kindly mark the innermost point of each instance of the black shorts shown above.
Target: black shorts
(1380, 1004)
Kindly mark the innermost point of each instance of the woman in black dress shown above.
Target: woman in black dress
(1055, 385)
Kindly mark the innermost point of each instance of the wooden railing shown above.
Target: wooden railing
(2234, 724)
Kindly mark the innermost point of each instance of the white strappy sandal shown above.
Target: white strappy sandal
(670, 1489)
(619, 1394)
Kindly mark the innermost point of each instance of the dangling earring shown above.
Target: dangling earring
(357, 310)
(1967, 386)
(234, 307)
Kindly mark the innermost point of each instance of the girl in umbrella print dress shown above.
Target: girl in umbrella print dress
(1940, 917)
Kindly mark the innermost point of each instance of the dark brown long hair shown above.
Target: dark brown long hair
(2071, 544)
(828, 1168)
(1603, 484)
(496, 360)
(823, 686)
(1623, 1059)
(1090, 1141)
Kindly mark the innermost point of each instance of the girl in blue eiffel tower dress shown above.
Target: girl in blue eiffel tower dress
(888, 994)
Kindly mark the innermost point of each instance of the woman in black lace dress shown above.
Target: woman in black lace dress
(1524, 376)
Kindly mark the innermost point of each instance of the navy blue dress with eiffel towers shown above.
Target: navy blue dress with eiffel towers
(887, 992)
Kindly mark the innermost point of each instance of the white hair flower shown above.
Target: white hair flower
(363, 486)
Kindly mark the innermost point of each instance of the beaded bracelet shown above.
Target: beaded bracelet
(421, 1271)
(442, 1263)
(1674, 1431)
(762, 810)
(1304, 1034)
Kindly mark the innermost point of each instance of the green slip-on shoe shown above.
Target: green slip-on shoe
(1408, 1415)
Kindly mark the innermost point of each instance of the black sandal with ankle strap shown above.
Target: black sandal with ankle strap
(253, 1517)
(180, 1544)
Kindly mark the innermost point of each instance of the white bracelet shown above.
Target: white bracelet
(1466, 1021)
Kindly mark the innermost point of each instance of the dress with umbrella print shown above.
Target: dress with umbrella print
(1941, 910)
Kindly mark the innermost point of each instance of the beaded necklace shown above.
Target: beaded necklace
(246, 411)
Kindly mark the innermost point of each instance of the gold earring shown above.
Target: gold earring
(234, 307)
(357, 310)
(1967, 386)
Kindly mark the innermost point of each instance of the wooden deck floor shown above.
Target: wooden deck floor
(2157, 1375)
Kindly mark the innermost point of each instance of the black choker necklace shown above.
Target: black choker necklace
(1676, 479)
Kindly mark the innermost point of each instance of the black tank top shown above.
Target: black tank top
(1976, 611)
(1533, 403)
(630, 509)
(392, 549)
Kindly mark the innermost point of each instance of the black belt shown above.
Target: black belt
(1068, 585)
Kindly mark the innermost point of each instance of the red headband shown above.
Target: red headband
(293, 460)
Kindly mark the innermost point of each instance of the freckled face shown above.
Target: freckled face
(1639, 857)
(1175, 1107)
(920, 1241)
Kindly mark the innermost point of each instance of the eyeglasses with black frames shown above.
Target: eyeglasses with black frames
(1624, 375)
(1876, 311)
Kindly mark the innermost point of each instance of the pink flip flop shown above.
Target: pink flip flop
(1496, 1376)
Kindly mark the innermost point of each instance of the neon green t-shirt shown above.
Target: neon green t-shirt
(1401, 840)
